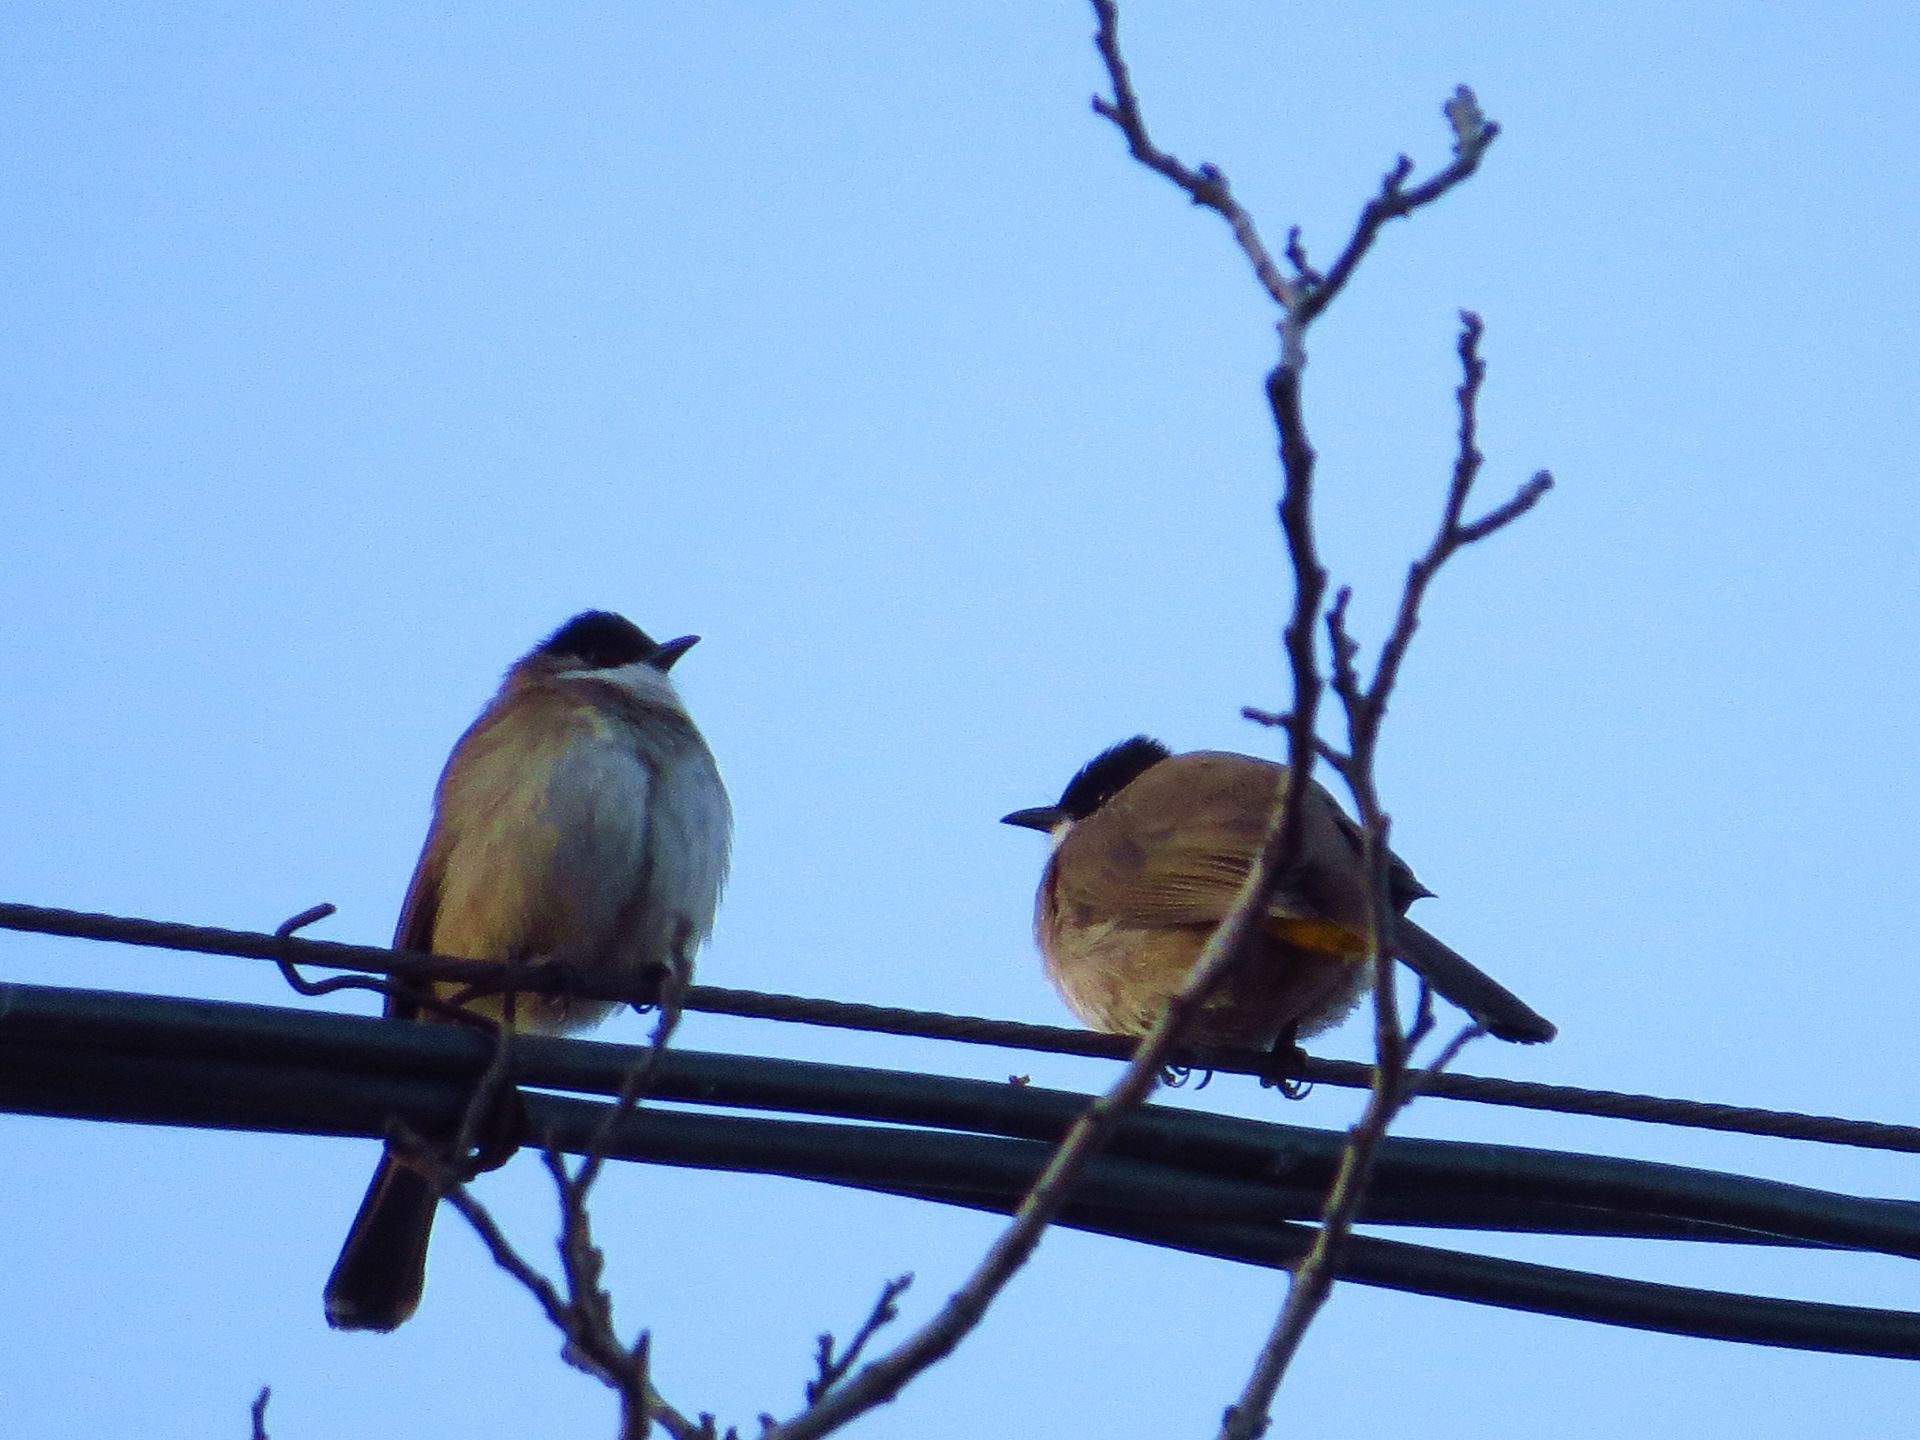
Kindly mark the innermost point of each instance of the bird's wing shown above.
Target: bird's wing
(496, 774)
(1160, 853)
(1174, 847)
(417, 912)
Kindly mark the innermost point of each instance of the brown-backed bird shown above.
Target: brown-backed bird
(580, 820)
(1149, 850)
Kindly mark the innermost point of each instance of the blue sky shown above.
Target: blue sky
(344, 353)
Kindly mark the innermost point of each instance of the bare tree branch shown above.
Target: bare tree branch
(1310, 292)
(1365, 705)
(881, 1380)
(673, 995)
(1313, 1279)
(586, 1325)
(840, 1393)
(1205, 186)
(1453, 533)
(1303, 299)
(584, 1313)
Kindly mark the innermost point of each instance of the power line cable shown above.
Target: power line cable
(1479, 1089)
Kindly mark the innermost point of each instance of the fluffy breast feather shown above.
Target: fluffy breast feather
(567, 828)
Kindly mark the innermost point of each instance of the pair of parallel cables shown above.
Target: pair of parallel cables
(1234, 1188)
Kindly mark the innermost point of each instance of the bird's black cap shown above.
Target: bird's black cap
(1099, 780)
(1108, 773)
(602, 640)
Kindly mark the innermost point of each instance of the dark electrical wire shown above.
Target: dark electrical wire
(1488, 1090)
(1467, 1177)
(1207, 1184)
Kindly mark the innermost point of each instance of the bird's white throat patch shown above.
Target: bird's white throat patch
(641, 680)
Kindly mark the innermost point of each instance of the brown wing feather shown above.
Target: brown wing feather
(1174, 847)
(542, 713)
(415, 928)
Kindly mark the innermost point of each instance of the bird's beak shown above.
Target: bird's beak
(668, 651)
(1040, 817)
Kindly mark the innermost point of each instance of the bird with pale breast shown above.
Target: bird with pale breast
(1149, 850)
(580, 821)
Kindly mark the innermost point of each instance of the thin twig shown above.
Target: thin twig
(1305, 297)
(1297, 257)
(882, 1379)
(586, 1345)
(1297, 462)
(1335, 759)
(592, 1341)
(1454, 534)
(672, 1002)
(1472, 134)
(259, 1412)
(590, 1306)
(1313, 1280)
(831, 1368)
(1247, 1417)
(1205, 186)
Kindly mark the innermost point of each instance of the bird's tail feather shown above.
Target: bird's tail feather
(1458, 979)
(382, 1269)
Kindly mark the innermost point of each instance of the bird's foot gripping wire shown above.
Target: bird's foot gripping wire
(1286, 1066)
(492, 1126)
(500, 1132)
(669, 978)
